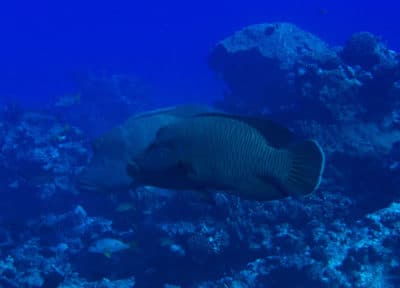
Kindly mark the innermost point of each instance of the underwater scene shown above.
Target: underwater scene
(214, 144)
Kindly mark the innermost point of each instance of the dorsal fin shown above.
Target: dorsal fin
(185, 110)
(277, 135)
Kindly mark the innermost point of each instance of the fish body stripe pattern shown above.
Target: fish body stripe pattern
(232, 142)
(231, 154)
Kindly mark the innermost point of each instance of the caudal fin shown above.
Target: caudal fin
(308, 161)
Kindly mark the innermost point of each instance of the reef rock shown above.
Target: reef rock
(366, 50)
(347, 98)
(259, 61)
(344, 235)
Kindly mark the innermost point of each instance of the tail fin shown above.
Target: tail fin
(308, 161)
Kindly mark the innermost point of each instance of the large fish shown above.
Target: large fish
(255, 159)
(112, 151)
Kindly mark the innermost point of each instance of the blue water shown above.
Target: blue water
(71, 71)
(45, 43)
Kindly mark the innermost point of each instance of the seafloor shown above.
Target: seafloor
(347, 234)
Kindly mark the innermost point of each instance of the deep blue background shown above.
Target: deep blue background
(43, 43)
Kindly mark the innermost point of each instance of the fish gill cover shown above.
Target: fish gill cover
(53, 233)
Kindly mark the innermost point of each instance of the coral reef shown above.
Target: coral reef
(344, 235)
(322, 92)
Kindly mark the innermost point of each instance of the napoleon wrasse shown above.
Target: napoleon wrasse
(255, 159)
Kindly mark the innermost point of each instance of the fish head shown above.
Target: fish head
(162, 154)
(162, 163)
(105, 171)
(141, 139)
(112, 151)
(104, 176)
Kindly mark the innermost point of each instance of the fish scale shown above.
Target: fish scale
(244, 145)
(248, 148)
(248, 157)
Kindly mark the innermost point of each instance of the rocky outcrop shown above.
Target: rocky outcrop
(344, 235)
(261, 62)
(348, 98)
